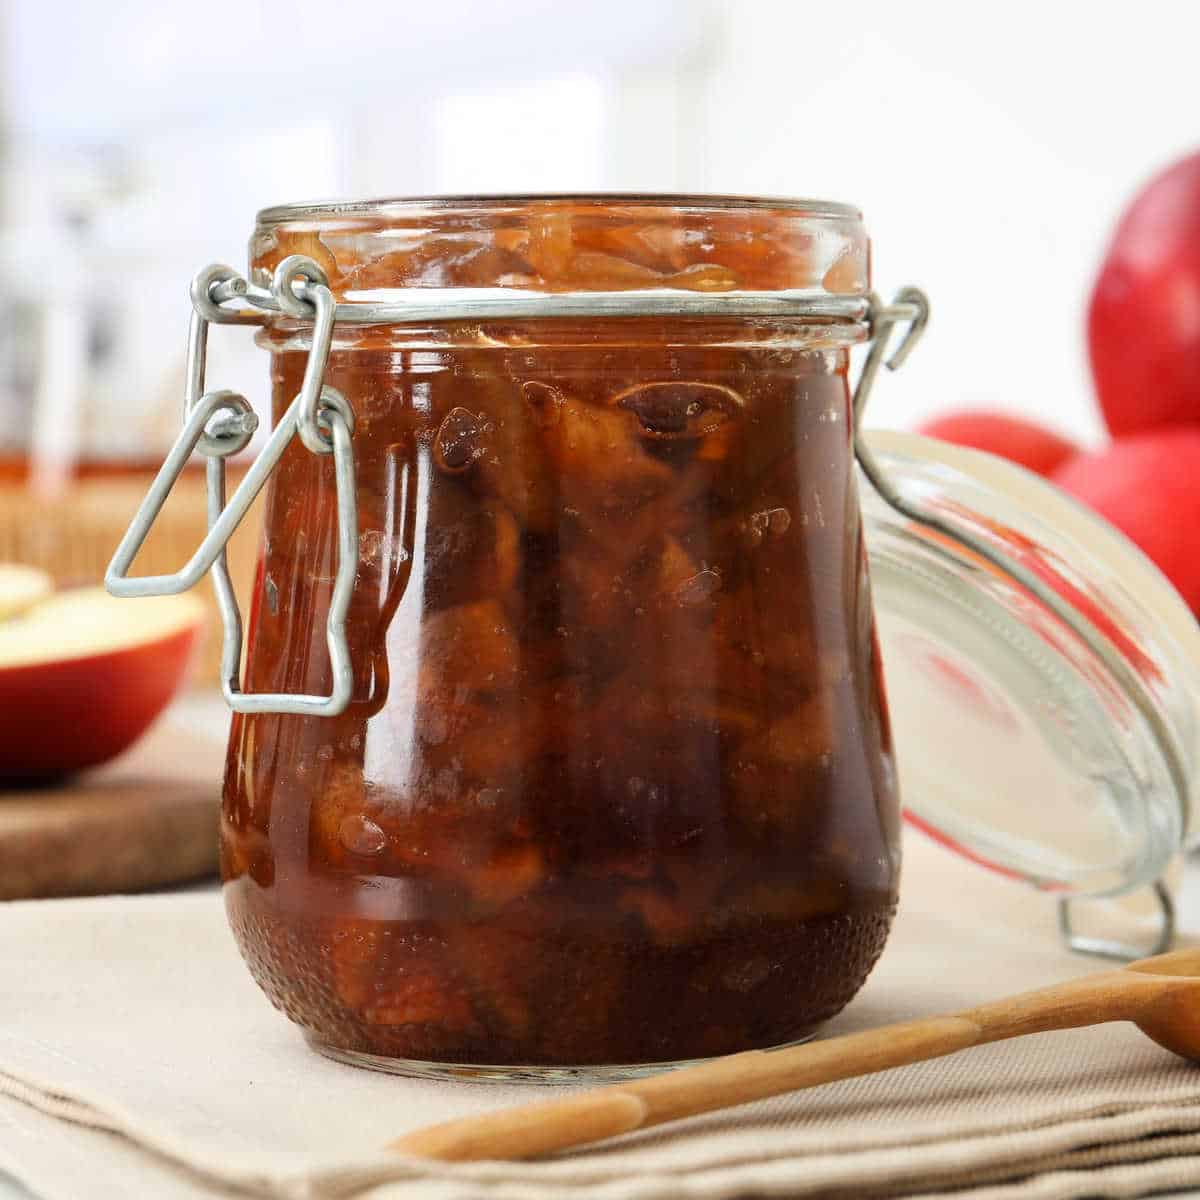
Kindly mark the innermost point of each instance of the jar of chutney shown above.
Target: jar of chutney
(562, 746)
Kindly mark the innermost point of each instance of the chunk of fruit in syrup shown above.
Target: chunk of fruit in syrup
(397, 980)
(499, 968)
(687, 409)
(457, 442)
(471, 648)
(511, 464)
(602, 466)
(472, 549)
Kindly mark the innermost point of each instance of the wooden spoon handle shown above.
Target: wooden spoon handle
(540, 1128)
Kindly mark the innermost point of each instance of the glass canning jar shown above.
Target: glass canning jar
(563, 742)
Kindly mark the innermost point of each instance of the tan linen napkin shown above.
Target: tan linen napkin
(137, 1059)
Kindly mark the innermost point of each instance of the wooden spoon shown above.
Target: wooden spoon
(1160, 995)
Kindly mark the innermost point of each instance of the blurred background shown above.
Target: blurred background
(990, 148)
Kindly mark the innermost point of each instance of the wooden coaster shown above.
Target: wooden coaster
(145, 820)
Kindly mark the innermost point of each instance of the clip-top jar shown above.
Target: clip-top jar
(562, 741)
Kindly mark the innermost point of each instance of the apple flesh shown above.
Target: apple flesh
(1023, 442)
(1144, 316)
(82, 676)
(1148, 486)
(21, 587)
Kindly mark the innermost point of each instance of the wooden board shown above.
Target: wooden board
(145, 820)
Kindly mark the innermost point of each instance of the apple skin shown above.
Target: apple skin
(60, 716)
(1023, 442)
(1144, 318)
(1148, 486)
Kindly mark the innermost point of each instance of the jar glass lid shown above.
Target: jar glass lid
(1018, 744)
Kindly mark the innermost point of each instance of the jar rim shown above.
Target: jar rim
(499, 202)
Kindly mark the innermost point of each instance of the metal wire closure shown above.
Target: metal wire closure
(219, 424)
(1101, 947)
(481, 304)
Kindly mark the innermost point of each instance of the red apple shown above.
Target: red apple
(1148, 486)
(21, 587)
(1144, 319)
(82, 675)
(1023, 442)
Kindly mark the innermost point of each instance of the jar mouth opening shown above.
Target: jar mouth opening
(591, 243)
(684, 202)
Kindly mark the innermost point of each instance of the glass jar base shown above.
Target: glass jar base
(515, 1073)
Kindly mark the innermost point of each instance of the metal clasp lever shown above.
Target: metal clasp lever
(1103, 947)
(219, 424)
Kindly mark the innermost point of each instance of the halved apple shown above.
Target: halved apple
(82, 675)
(21, 587)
